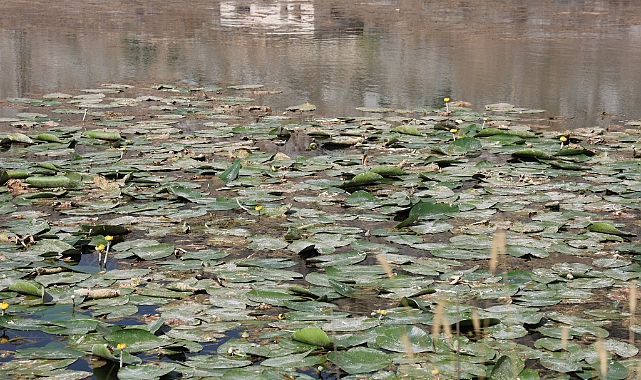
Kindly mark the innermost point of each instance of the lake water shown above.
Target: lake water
(579, 60)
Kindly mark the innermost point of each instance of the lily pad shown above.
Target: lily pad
(360, 360)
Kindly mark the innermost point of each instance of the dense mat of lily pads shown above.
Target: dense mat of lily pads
(176, 232)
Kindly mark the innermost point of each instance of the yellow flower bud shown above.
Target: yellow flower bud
(453, 130)
(563, 139)
(100, 247)
(109, 238)
(4, 305)
(121, 346)
(435, 372)
(447, 100)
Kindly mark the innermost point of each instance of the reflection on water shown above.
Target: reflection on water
(571, 58)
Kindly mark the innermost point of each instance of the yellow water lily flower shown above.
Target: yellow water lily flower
(258, 208)
(3, 306)
(109, 238)
(447, 100)
(100, 247)
(121, 346)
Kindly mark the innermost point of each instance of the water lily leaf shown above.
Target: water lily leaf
(362, 179)
(154, 252)
(51, 181)
(363, 199)
(502, 331)
(232, 172)
(137, 340)
(61, 278)
(623, 349)
(407, 130)
(470, 144)
(273, 263)
(305, 107)
(29, 288)
(532, 154)
(104, 229)
(574, 152)
(616, 371)
(507, 368)
(291, 360)
(520, 251)
(342, 289)
(393, 338)
(145, 371)
(184, 193)
(360, 360)
(351, 324)
(560, 362)
(312, 335)
(102, 351)
(216, 362)
(266, 242)
(338, 259)
(53, 350)
(607, 228)
(51, 247)
(428, 209)
(102, 135)
(388, 170)
(270, 297)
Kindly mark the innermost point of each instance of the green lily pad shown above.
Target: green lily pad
(145, 371)
(137, 340)
(392, 338)
(312, 335)
(360, 360)
(607, 228)
(154, 252)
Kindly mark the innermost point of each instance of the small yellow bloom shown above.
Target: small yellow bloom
(453, 130)
(109, 238)
(258, 208)
(435, 372)
(100, 247)
(4, 306)
(121, 346)
(563, 139)
(447, 100)
(382, 312)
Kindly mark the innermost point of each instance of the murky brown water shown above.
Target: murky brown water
(576, 59)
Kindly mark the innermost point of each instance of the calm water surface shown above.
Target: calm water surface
(573, 58)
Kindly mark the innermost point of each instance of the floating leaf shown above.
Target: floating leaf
(362, 179)
(312, 335)
(360, 360)
(407, 130)
(145, 371)
(607, 228)
(232, 172)
(394, 338)
(137, 340)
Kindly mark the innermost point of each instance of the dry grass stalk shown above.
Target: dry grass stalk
(498, 248)
(565, 335)
(385, 264)
(408, 347)
(633, 297)
(436, 323)
(476, 324)
(633, 307)
(603, 357)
